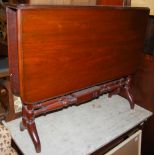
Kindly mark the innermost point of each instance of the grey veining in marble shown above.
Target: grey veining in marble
(80, 130)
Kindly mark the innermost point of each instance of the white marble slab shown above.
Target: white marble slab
(80, 130)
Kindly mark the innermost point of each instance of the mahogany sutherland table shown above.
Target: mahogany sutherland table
(64, 55)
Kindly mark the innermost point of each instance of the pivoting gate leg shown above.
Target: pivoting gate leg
(126, 90)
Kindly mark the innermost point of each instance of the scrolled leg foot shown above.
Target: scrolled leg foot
(34, 136)
(128, 92)
(130, 97)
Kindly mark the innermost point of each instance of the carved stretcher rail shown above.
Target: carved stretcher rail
(80, 96)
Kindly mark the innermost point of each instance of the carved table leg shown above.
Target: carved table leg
(124, 86)
(31, 126)
(128, 93)
(29, 123)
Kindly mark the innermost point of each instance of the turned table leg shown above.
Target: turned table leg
(28, 122)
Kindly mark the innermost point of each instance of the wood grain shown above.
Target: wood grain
(65, 49)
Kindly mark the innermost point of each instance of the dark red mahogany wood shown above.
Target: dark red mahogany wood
(63, 55)
(114, 2)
